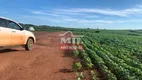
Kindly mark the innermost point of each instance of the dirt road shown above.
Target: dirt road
(45, 62)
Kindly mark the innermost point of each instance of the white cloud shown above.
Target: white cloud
(91, 16)
(67, 13)
(78, 20)
(90, 12)
(88, 16)
(123, 13)
(55, 13)
(43, 13)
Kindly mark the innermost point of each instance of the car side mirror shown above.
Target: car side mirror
(31, 29)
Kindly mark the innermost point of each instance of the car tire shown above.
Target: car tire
(29, 44)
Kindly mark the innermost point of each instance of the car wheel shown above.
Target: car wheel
(29, 44)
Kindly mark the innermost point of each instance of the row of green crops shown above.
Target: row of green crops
(117, 56)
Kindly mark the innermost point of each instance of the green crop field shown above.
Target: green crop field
(117, 54)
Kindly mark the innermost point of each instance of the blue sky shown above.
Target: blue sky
(104, 14)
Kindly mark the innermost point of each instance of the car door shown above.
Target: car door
(17, 33)
(5, 34)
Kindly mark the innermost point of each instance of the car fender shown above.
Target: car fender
(28, 35)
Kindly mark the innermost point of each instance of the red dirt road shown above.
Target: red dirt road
(45, 62)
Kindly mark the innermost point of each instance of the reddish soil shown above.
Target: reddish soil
(45, 62)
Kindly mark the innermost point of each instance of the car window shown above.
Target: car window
(2, 22)
(13, 25)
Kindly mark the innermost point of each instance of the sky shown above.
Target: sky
(102, 14)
